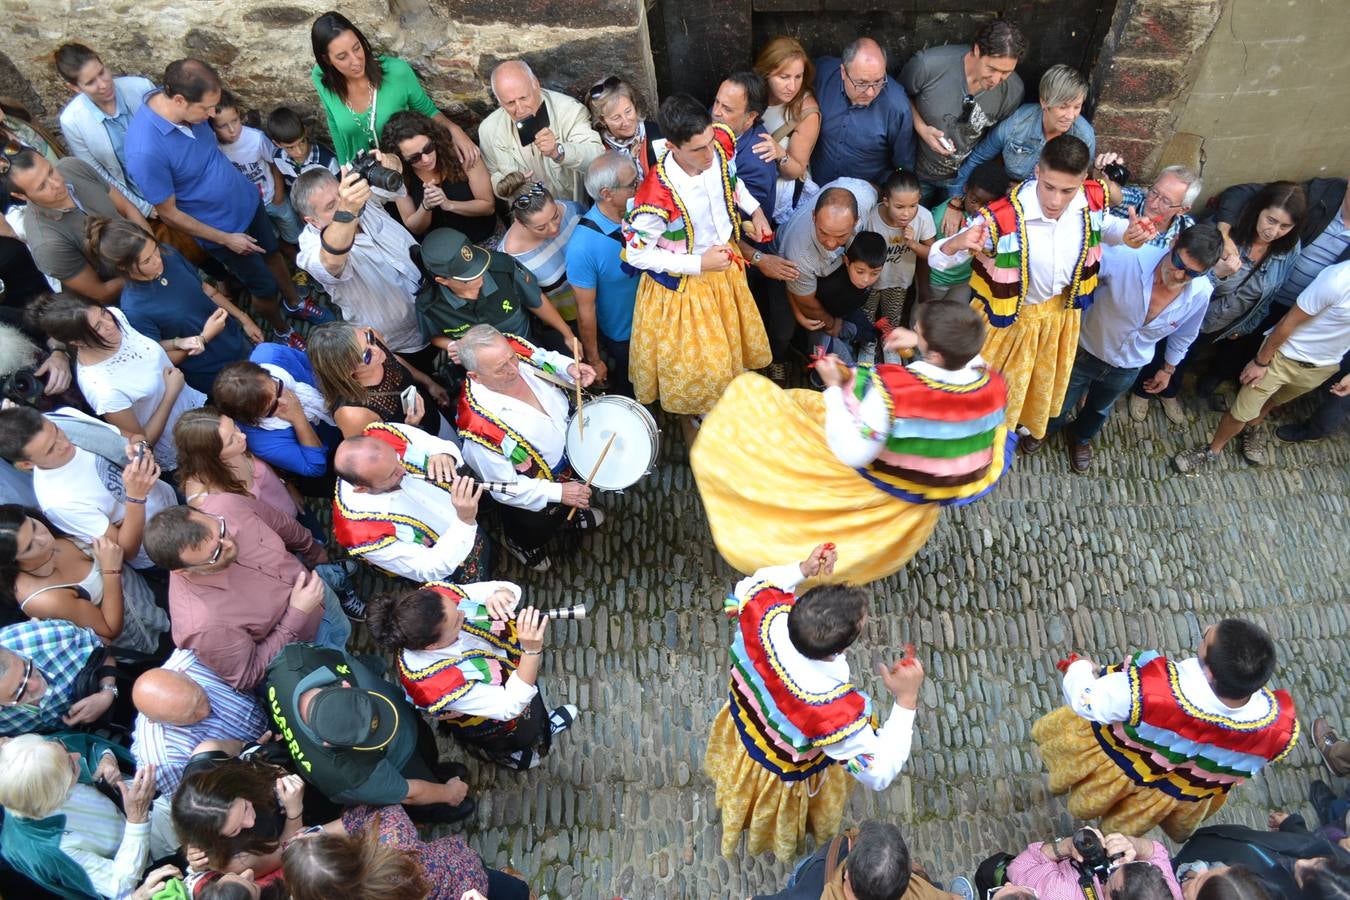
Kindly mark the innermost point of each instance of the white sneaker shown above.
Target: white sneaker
(588, 519)
(562, 718)
(535, 560)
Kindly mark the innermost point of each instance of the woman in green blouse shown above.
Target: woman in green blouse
(360, 90)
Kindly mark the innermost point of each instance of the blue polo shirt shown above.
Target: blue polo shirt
(180, 309)
(593, 262)
(866, 142)
(165, 161)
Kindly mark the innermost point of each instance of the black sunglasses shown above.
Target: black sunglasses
(1177, 264)
(276, 401)
(413, 157)
(10, 149)
(369, 355)
(608, 84)
(525, 199)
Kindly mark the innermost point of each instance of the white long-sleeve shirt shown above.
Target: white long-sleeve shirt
(545, 431)
(857, 435)
(501, 703)
(704, 202)
(1052, 245)
(1108, 699)
(874, 756)
(112, 851)
(425, 502)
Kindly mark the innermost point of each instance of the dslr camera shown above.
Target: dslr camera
(376, 175)
(1117, 172)
(1095, 860)
(23, 386)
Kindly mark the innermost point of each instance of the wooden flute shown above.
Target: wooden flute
(569, 612)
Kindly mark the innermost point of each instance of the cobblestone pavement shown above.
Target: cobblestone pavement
(1130, 556)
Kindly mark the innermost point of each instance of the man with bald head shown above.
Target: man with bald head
(401, 507)
(866, 127)
(180, 705)
(814, 243)
(537, 131)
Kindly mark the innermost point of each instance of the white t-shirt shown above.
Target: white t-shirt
(1325, 338)
(252, 154)
(900, 260)
(133, 378)
(86, 495)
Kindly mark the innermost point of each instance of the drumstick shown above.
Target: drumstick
(581, 420)
(596, 468)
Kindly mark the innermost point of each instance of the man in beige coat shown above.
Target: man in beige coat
(561, 149)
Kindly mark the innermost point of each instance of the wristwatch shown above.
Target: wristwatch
(343, 216)
(562, 151)
(754, 260)
(109, 689)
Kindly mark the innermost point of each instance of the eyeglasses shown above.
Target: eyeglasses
(608, 84)
(220, 543)
(1177, 264)
(525, 199)
(1159, 198)
(967, 108)
(276, 401)
(23, 683)
(369, 356)
(11, 148)
(413, 157)
(865, 86)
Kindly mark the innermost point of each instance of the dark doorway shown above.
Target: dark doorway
(696, 42)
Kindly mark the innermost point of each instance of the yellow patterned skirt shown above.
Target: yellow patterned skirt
(773, 489)
(775, 813)
(1098, 789)
(687, 347)
(1035, 355)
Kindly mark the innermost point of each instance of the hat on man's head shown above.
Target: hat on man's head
(352, 718)
(450, 254)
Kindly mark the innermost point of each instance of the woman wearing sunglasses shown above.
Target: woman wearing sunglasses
(442, 193)
(163, 298)
(540, 228)
(619, 116)
(275, 399)
(362, 382)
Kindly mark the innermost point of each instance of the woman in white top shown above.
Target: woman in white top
(49, 575)
(128, 379)
(67, 835)
(789, 73)
(540, 229)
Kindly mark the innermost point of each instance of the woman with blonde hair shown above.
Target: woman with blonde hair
(793, 118)
(68, 837)
(620, 118)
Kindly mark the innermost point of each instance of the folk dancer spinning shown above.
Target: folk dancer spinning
(513, 422)
(400, 506)
(464, 659)
(796, 727)
(1035, 256)
(874, 459)
(695, 324)
(1156, 742)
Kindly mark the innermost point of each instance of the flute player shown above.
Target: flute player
(480, 681)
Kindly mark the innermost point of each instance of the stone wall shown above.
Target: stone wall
(262, 48)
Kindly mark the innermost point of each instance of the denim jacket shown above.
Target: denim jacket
(1019, 138)
(1271, 275)
(82, 127)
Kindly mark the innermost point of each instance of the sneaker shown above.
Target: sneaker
(1172, 409)
(868, 354)
(352, 605)
(535, 560)
(1139, 407)
(588, 519)
(308, 311)
(1323, 739)
(961, 885)
(290, 338)
(1188, 462)
(524, 760)
(1297, 434)
(777, 373)
(1252, 443)
(562, 718)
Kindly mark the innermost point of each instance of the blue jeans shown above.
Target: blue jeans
(1103, 384)
(335, 629)
(251, 268)
(856, 330)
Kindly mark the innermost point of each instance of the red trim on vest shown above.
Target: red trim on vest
(914, 398)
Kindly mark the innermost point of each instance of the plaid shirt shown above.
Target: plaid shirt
(1132, 198)
(320, 157)
(59, 650)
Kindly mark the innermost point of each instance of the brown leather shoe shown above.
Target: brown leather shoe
(1028, 445)
(1080, 457)
(1323, 739)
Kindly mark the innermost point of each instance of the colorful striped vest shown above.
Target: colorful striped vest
(656, 196)
(434, 688)
(947, 443)
(360, 532)
(1169, 745)
(783, 726)
(1000, 282)
(477, 424)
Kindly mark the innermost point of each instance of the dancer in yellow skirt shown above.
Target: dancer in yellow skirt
(794, 713)
(695, 324)
(1035, 255)
(868, 464)
(1153, 742)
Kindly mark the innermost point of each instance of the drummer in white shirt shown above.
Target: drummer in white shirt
(513, 417)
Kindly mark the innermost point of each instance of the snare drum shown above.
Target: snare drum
(637, 442)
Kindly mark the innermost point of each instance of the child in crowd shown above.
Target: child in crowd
(909, 230)
(252, 153)
(986, 184)
(844, 293)
(295, 152)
